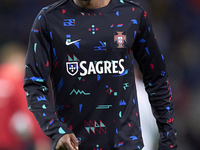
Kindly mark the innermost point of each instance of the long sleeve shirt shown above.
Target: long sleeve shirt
(89, 55)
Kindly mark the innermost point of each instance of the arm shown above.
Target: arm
(152, 66)
(38, 68)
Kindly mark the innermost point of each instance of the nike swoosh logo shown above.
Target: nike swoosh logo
(69, 43)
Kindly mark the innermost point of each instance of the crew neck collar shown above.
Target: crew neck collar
(98, 10)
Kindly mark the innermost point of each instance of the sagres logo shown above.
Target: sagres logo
(72, 65)
(94, 67)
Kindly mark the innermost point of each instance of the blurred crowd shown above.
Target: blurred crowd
(176, 24)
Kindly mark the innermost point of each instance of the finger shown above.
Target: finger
(59, 146)
(69, 146)
(74, 141)
(73, 145)
(69, 143)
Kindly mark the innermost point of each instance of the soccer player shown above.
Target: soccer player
(88, 47)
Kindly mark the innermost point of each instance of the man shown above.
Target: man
(17, 125)
(88, 49)
(12, 98)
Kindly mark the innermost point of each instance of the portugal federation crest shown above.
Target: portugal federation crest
(120, 39)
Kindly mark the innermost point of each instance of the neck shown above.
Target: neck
(91, 4)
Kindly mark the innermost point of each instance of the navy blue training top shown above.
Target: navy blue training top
(89, 55)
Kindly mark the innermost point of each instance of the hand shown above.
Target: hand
(67, 142)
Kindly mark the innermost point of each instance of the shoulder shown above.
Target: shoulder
(54, 6)
(132, 3)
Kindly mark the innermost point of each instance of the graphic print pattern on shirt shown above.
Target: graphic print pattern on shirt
(89, 55)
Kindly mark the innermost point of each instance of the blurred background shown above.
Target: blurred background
(176, 24)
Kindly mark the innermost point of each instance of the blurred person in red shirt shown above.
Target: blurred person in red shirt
(195, 4)
(18, 128)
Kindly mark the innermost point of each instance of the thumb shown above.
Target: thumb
(74, 141)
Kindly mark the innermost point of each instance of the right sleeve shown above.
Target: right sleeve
(37, 69)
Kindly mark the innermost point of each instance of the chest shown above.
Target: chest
(87, 33)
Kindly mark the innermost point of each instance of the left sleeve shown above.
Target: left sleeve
(155, 78)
